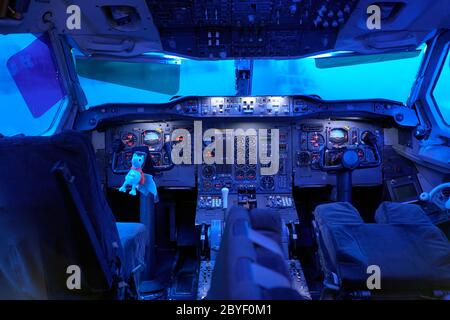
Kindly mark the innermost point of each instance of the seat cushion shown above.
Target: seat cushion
(410, 256)
(134, 238)
(393, 212)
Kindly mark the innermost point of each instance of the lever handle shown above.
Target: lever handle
(225, 192)
(369, 138)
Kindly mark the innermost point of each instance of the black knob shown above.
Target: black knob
(369, 138)
(421, 133)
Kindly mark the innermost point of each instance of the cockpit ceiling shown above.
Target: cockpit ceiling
(220, 29)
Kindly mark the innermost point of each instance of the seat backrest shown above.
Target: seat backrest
(240, 272)
(232, 275)
(268, 223)
(48, 223)
(400, 213)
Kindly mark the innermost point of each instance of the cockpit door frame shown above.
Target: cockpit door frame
(69, 78)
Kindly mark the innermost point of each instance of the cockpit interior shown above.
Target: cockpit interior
(225, 150)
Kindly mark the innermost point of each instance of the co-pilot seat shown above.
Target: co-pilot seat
(56, 227)
(410, 253)
(251, 264)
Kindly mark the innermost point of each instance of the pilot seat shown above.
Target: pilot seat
(59, 237)
(409, 253)
(251, 264)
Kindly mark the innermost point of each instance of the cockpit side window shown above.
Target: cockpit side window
(31, 93)
(441, 92)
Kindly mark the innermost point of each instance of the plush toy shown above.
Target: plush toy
(135, 177)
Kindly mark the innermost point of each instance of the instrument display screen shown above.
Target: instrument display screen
(152, 139)
(338, 136)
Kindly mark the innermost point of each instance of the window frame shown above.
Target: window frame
(429, 75)
(437, 77)
(63, 106)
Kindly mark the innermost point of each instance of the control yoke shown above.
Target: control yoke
(348, 162)
(437, 197)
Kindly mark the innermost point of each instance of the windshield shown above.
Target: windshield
(350, 77)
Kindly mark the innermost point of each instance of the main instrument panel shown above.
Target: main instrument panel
(312, 134)
(312, 137)
(302, 147)
(298, 154)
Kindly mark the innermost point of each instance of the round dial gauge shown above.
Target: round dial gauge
(156, 159)
(207, 185)
(126, 160)
(208, 172)
(267, 183)
(338, 136)
(251, 174)
(316, 141)
(152, 139)
(129, 139)
(240, 175)
(304, 159)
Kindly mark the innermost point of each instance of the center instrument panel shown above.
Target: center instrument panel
(237, 176)
(247, 182)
